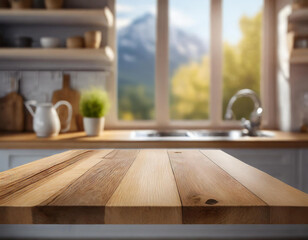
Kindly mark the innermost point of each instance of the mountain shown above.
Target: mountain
(136, 50)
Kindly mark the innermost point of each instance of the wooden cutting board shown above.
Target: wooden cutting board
(146, 186)
(12, 112)
(73, 97)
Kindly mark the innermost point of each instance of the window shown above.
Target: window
(189, 60)
(242, 29)
(136, 42)
(180, 61)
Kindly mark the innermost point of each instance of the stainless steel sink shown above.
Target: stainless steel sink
(218, 134)
(228, 134)
(196, 135)
(160, 134)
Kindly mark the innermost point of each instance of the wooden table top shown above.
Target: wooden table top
(146, 186)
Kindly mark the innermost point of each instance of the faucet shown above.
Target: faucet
(251, 126)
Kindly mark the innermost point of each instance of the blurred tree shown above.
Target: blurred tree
(135, 103)
(190, 91)
(241, 66)
(241, 69)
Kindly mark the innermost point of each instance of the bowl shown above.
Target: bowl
(50, 42)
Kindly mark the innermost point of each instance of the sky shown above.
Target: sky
(190, 17)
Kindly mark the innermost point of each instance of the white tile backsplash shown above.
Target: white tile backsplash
(39, 85)
(5, 85)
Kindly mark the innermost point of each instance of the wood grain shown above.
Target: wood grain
(20, 177)
(12, 113)
(287, 204)
(123, 139)
(20, 215)
(73, 97)
(146, 187)
(147, 194)
(77, 17)
(210, 195)
(48, 187)
(92, 190)
(38, 192)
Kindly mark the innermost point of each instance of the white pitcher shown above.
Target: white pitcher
(46, 122)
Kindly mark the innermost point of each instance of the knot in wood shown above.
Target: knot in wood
(211, 202)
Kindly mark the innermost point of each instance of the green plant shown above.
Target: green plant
(94, 103)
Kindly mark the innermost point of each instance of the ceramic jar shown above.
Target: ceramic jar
(93, 39)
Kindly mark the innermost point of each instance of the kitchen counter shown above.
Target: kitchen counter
(123, 139)
(146, 186)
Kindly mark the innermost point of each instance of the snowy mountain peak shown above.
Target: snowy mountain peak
(137, 44)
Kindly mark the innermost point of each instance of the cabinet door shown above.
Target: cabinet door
(303, 170)
(279, 163)
(16, 157)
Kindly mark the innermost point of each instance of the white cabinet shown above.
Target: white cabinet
(288, 165)
(303, 173)
(15, 157)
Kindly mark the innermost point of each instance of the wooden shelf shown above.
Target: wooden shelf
(299, 56)
(79, 17)
(56, 59)
(299, 16)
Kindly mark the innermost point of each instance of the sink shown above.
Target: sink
(195, 134)
(218, 134)
(228, 134)
(160, 134)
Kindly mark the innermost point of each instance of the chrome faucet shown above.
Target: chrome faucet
(253, 125)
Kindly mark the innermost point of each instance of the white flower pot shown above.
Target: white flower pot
(93, 126)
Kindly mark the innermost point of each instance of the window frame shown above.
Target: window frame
(162, 115)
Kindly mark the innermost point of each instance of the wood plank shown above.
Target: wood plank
(299, 16)
(73, 97)
(287, 204)
(54, 59)
(149, 187)
(79, 17)
(123, 139)
(20, 215)
(64, 54)
(20, 177)
(210, 195)
(46, 188)
(299, 56)
(12, 112)
(84, 200)
(147, 194)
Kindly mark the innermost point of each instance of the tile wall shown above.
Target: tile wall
(39, 85)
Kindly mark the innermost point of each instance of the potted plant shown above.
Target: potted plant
(94, 104)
